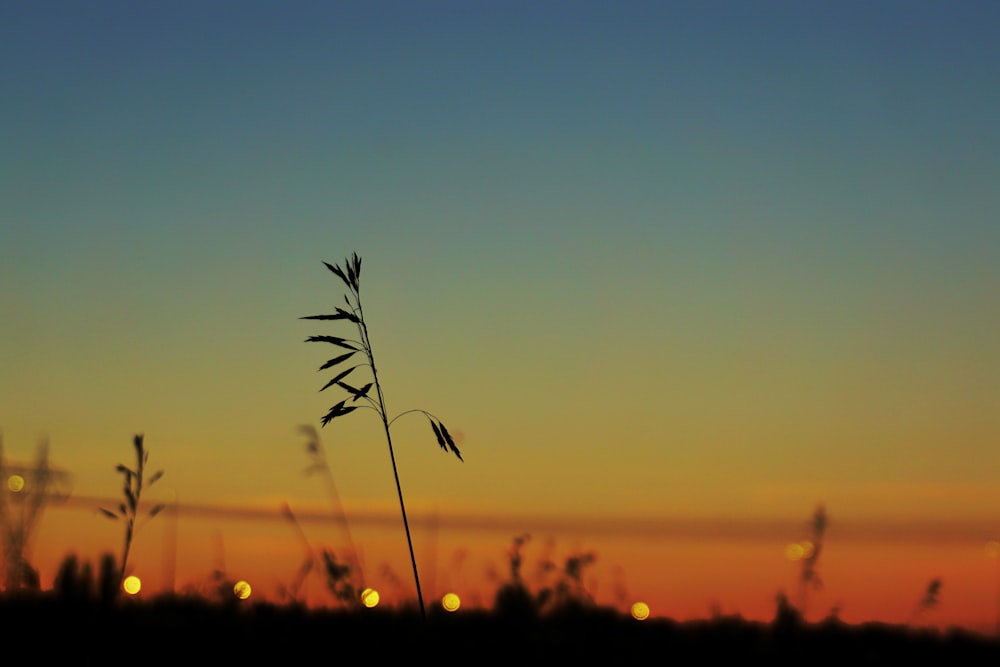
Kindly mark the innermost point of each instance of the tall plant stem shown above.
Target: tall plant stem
(392, 456)
(130, 519)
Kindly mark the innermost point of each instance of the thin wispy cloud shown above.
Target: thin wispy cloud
(624, 526)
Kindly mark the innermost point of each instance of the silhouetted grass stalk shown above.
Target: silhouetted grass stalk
(128, 509)
(810, 562)
(316, 451)
(929, 600)
(350, 274)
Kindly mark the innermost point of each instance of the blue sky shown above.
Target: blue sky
(650, 257)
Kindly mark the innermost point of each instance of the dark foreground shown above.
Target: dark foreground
(181, 631)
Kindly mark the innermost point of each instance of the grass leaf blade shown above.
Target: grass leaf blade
(438, 435)
(335, 340)
(338, 272)
(342, 315)
(451, 442)
(347, 315)
(358, 393)
(337, 411)
(340, 376)
(350, 275)
(337, 360)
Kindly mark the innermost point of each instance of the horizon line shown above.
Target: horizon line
(643, 527)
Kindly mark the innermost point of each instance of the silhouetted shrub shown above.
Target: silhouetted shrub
(74, 583)
(513, 600)
(108, 580)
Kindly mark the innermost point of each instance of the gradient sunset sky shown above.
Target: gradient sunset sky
(702, 260)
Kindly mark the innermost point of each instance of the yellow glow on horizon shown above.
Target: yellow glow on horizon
(369, 597)
(15, 483)
(132, 585)
(993, 549)
(640, 611)
(242, 590)
(451, 602)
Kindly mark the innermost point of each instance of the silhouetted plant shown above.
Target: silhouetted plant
(109, 580)
(546, 569)
(515, 556)
(128, 509)
(73, 583)
(350, 274)
(220, 585)
(319, 465)
(809, 577)
(929, 601)
(566, 593)
(785, 615)
(340, 580)
(291, 592)
(513, 599)
(23, 496)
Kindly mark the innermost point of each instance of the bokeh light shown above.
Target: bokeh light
(451, 602)
(369, 597)
(640, 611)
(242, 590)
(799, 550)
(15, 483)
(993, 549)
(132, 585)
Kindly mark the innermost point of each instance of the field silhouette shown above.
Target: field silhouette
(173, 630)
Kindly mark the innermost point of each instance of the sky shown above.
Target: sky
(714, 262)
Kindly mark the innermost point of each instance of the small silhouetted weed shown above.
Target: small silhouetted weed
(809, 577)
(559, 589)
(128, 510)
(930, 599)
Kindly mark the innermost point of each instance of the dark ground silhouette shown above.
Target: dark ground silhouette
(178, 630)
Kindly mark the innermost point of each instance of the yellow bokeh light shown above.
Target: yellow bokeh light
(369, 597)
(640, 611)
(993, 549)
(794, 551)
(15, 483)
(451, 602)
(799, 550)
(242, 590)
(132, 585)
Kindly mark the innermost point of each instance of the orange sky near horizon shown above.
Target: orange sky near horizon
(690, 570)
